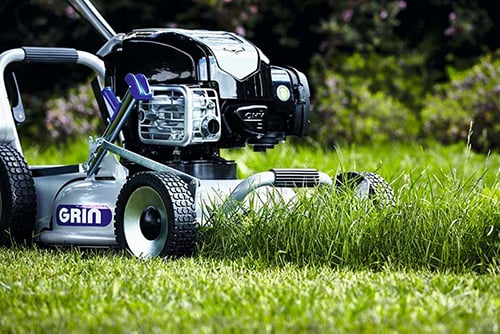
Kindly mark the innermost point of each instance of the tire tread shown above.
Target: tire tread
(19, 208)
(182, 231)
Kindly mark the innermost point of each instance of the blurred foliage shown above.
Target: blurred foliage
(73, 114)
(386, 56)
(64, 118)
(404, 77)
(363, 26)
(468, 107)
(380, 60)
(348, 109)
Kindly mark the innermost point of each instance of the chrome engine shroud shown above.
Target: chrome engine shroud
(179, 116)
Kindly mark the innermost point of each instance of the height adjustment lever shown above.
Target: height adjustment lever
(138, 90)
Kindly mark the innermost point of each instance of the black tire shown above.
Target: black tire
(17, 198)
(367, 185)
(155, 216)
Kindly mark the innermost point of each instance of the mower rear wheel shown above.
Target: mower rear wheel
(367, 185)
(17, 198)
(155, 216)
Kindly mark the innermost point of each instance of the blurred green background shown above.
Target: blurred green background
(380, 71)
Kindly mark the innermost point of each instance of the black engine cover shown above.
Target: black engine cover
(260, 104)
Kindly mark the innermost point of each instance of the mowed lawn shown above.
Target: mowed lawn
(327, 262)
(49, 291)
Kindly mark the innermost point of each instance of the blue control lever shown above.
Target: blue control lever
(139, 89)
(139, 86)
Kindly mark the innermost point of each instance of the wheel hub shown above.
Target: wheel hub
(150, 223)
(145, 222)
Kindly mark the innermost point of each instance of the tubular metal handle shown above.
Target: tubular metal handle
(87, 10)
(8, 130)
(33, 54)
(278, 177)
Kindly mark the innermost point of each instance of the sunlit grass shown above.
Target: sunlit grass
(40, 154)
(327, 262)
(70, 291)
(339, 230)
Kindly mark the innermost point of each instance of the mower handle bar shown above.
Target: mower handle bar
(51, 55)
(87, 10)
(8, 131)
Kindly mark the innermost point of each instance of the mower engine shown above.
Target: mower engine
(211, 90)
(180, 116)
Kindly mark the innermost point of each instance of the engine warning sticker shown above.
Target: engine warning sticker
(83, 215)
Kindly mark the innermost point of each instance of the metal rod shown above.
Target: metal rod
(87, 10)
(146, 162)
(258, 180)
(192, 182)
(111, 133)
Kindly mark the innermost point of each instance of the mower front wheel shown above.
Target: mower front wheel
(155, 216)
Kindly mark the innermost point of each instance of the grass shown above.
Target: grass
(327, 262)
(72, 153)
(344, 232)
(446, 214)
(109, 292)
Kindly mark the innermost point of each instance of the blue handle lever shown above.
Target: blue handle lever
(111, 98)
(139, 89)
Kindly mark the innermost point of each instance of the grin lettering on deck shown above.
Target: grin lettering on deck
(83, 215)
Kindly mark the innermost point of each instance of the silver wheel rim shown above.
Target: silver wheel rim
(362, 190)
(140, 201)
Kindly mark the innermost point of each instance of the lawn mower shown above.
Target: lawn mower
(170, 100)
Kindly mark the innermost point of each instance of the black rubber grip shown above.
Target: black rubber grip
(35, 54)
(295, 178)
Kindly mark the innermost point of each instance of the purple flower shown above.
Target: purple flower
(331, 83)
(450, 31)
(240, 30)
(383, 15)
(254, 9)
(347, 15)
(452, 16)
(70, 12)
(402, 4)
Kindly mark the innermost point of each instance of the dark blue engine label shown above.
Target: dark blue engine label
(83, 215)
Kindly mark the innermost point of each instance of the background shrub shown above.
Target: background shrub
(469, 105)
(362, 104)
(73, 115)
(385, 55)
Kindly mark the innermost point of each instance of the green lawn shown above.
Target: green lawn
(326, 263)
(54, 291)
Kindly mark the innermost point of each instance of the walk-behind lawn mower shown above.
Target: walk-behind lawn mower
(170, 99)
